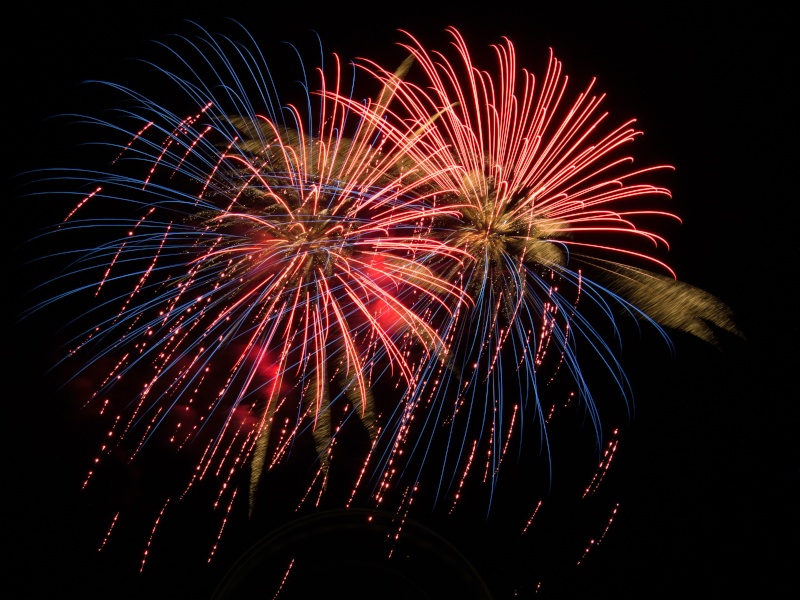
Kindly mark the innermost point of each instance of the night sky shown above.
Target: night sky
(706, 473)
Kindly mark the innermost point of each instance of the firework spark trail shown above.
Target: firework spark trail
(593, 543)
(108, 531)
(146, 553)
(533, 515)
(284, 579)
(551, 210)
(604, 465)
(402, 515)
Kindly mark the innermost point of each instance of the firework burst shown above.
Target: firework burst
(468, 235)
(270, 270)
(558, 226)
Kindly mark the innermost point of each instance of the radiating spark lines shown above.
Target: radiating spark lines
(431, 266)
(555, 222)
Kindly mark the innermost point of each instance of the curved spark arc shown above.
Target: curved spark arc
(553, 216)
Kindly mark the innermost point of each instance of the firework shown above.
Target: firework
(262, 266)
(264, 269)
(557, 222)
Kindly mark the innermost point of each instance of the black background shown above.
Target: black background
(706, 476)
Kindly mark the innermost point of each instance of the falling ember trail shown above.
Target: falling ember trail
(108, 532)
(285, 578)
(222, 527)
(530, 520)
(594, 543)
(603, 466)
(146, 552)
